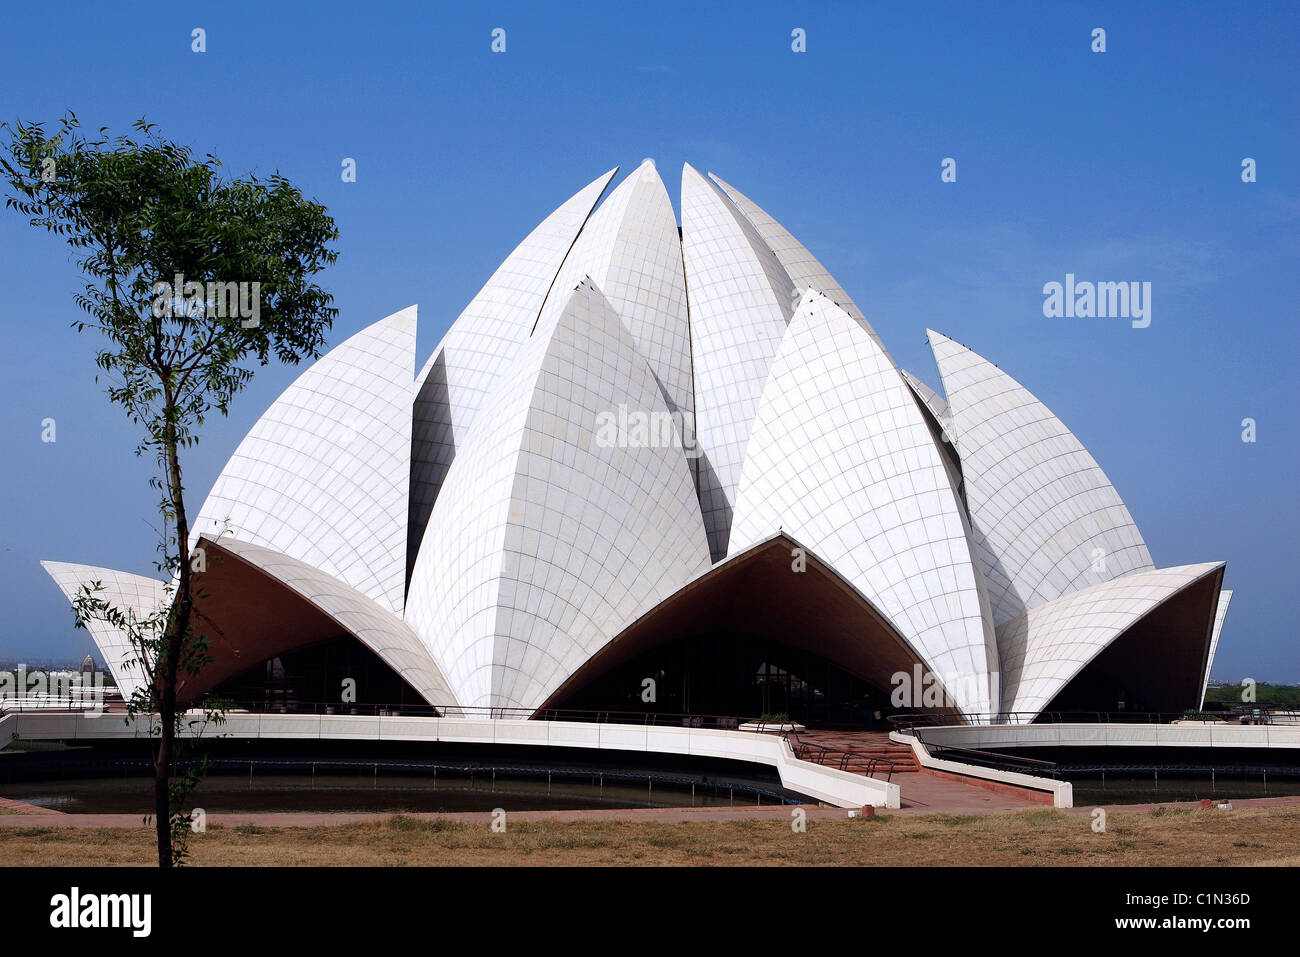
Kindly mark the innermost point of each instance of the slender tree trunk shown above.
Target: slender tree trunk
(161, 793)
(177, 630)
(166, 745)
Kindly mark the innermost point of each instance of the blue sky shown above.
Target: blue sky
(1116, 166)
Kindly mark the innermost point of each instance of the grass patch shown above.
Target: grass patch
(436, 825)
(1027, 838)
(253, 829)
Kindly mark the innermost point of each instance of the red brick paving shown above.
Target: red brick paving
(930, 794)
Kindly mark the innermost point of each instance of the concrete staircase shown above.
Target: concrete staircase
(862, 747)
(902, 757)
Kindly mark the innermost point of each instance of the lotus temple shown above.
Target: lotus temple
(672, 468)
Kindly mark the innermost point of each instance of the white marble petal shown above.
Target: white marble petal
(740, 300)
(631, 250)
(1044, 648)
(1046, 519)
(802, 266)
(840, 457)
(323, 475)
(547, 539)
(1220, 613)
(480, 346)
(383, 632)
(134, 594)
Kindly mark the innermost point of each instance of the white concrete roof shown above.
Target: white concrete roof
(134, 595)
(840, 457)
(1046, 519)
(464, 367)
(741, 301)
(630, 250)
(1048, 645)
(383, 632)
(1220, 613)
(323, 475)
(545, 542)
(802, 266)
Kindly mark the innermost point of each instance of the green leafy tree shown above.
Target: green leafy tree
(193, 279)
(1226, 697)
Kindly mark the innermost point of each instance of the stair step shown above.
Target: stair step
(873, 752)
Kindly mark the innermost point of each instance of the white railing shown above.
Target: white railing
(91, 701)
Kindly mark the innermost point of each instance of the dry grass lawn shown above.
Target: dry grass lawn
(1038, 837)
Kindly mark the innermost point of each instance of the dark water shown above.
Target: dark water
(1146, 788)
(404, 793)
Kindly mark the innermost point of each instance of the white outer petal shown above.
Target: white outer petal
(841, 458)
(544, 544)
(383, 632)
(1040, 505)
(1220, 613)
(323, 475)
(1043, 649)
(136, 593)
